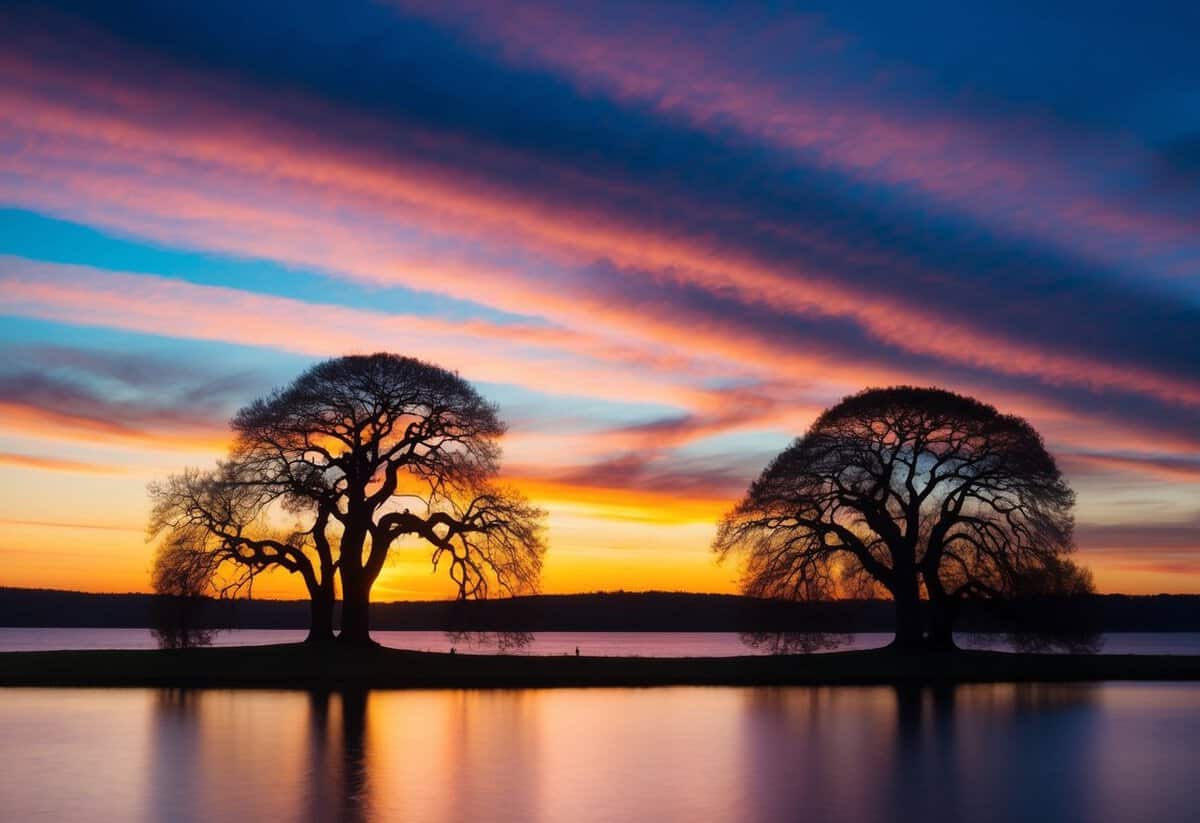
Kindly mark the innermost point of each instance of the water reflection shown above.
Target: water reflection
(795, 642)
(960, 753)
(485, 642)
(1003, 752)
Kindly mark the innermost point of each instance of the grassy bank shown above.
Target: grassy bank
(301, 667)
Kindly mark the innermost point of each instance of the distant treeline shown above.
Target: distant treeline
(610, 611)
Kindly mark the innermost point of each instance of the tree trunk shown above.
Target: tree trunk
(320, 628)
(909, 629)
(941, 623)
(356, 590)
(942, 610)
(356, 618)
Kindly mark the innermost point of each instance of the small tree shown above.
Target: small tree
(222, 530)
(361, 451)
(920, 492)
(181, 580)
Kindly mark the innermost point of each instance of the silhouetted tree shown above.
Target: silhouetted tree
(358, 453)
(1062, 618)
(223, 528)
(181, 578)
(922, 492)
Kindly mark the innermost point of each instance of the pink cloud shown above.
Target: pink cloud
(485, 351)
(1168, 467)
(1014, 174)
(262, 188)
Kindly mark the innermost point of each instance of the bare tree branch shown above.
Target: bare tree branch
(925, 492)
(361, 450)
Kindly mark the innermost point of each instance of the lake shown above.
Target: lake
(644, 644)
(1104, 752)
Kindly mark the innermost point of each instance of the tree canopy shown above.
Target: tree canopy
(918, 491)
(327, 474)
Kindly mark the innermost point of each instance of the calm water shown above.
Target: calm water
(645, 644)
(1110, 752)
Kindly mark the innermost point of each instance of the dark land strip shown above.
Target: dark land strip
(333, 667)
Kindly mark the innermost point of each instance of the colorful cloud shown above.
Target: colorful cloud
(663, 237)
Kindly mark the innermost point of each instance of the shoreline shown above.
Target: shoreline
(296, 666)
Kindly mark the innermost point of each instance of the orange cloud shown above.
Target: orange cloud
(25, 419)
(51, 524)
(33, 461)
(623, 503)
(1145, 575)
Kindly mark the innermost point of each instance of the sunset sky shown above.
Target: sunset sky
(660, 237)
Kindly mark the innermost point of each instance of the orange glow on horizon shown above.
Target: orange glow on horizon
(179, 234)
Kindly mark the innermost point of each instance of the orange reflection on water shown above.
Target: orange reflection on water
(1089, 752)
